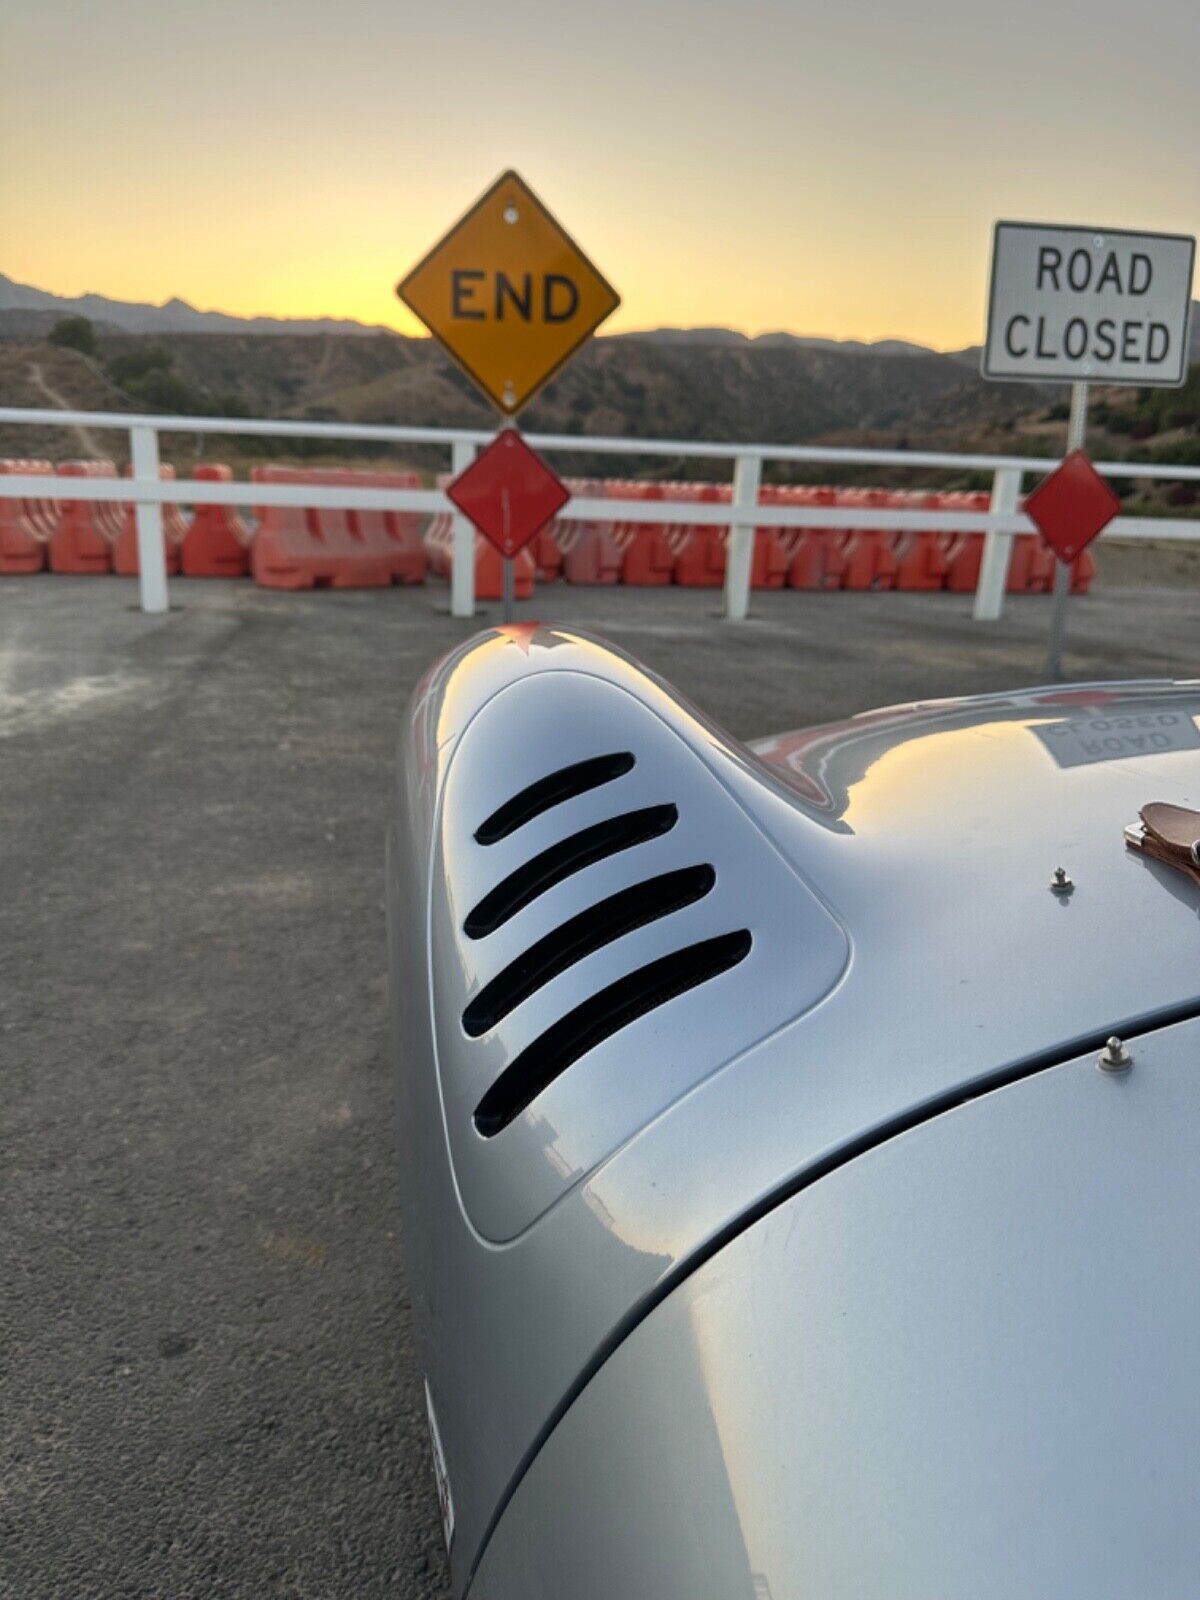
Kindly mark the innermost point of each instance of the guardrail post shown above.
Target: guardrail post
(462, 556)
(152, 553)
(997, 548)
(747, 475)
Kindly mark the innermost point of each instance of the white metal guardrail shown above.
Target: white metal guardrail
(149, 493)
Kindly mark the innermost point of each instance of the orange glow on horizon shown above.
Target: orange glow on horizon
(778, 166)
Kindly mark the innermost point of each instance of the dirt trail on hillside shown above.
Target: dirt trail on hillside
(87, 439)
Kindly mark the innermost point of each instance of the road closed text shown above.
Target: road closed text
(1082, 304)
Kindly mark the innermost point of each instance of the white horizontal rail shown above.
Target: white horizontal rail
(681, 513)
(185, 491)
(148, 492)
(577, 444)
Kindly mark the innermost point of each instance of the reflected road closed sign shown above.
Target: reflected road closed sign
(1088, 305)
(1081, 741)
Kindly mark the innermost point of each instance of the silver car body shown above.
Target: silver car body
(772, 1231)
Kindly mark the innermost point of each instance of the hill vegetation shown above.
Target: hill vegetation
(703, 387)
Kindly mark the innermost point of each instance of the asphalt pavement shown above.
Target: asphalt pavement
(206, 1382)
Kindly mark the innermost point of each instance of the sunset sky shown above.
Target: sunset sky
(828, 168)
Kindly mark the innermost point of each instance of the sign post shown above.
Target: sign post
(509, 584)
(1084, 305)
(511, 297)
(1076, 437)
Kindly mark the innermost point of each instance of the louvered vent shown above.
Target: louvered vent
(617, 1004)
(610, 922)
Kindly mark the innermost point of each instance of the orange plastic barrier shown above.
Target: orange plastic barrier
(43, 515)
(920, 557)
(395, 534)
(551, 543)
(806, 558)
(774, 548)
(693, 554)
(772, 558)
(125, 545)
(817, 558)
(964, 551)
(217, 544)
(1030, 566)
(700, 563)
(1033, 565)
(489, 572)
(868, 554)
(25, 525)
(288, 552)
(680, 535)
(437, 540)
(769, 560)
(648, 549)
(86, 530)
(591, 553)
(297, 547)
(1082, 573)
(547, 552)
(789, 542)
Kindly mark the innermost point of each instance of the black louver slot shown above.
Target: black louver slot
(561, 860)
(591, 930)
(552, 791)
(597, 1019)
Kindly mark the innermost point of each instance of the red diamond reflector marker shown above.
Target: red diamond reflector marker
(1072, 506)
(508, 492)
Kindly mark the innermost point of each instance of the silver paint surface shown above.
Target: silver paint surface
(960, 1367)
(927, 832)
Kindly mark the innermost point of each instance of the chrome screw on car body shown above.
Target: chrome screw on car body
(1114, 1057)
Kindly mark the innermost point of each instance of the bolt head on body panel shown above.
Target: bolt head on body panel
(1114, 1057)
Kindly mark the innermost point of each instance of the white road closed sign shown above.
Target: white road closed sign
(1088, 305)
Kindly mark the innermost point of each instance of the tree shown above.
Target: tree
(74, 333)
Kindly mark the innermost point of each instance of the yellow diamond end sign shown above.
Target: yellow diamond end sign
(509, 294)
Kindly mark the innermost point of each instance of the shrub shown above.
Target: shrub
(74, 333)
(229, 403)
(165, 391)
(130, 366)
(1183, 453)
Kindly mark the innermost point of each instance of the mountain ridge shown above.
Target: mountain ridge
(173, 316)
(27, 311)
(24, 309)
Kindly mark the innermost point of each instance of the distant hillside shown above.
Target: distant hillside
(747, 390)
(635, 386)
(729, 336)
(744, 391)
(769, 390)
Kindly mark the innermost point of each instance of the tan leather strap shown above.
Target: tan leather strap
(1172, 835)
